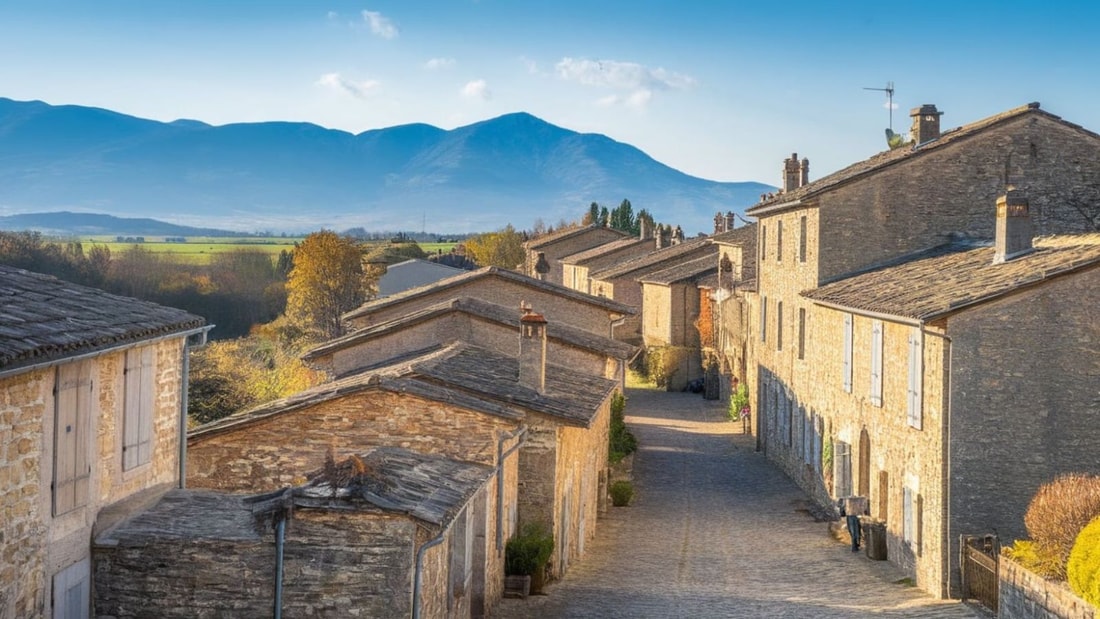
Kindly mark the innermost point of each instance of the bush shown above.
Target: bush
(1083, 567)
(1058, 512)
(621, 442)
(738, 401)
(1034, 557)
(529, 550)
(662, 363)
(622, 492)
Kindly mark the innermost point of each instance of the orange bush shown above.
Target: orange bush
(1058, 512)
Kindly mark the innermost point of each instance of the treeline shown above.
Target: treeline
(236, 290)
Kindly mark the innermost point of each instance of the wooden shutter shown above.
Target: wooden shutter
(916, 375)
(907, 515)
(842, 469)
(137, 444)
(847, 370)
(72, 415)
(72, 591)
(876, 362)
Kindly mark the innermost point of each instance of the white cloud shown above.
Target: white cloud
(890, 106)
(636, 82)
(531, 66)
(439, 63)
(380, 25)
(476, 89)
(335, 81)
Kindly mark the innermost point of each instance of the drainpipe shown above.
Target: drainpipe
(185, 381)
(280, 542)
(419, 576)
(521, 433)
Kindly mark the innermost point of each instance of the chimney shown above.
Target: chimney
(532, 349)
(542, 267)
(644, 233)
(1013, 229)
(926, 123)
(804, 172)
(790, 173)
(719, 223)
(730, 223)
(677, 236)
(662, 236)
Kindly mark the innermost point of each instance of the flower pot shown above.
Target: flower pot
(517, 586)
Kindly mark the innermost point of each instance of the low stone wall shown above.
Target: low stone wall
(1027, 595)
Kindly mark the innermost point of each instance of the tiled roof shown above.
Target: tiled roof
(463, 278)
(687, 270)
(898, 155)
(411, 273)
(45, 319)
(482, 309)
(653, 261)
(952, 277)
(570, 396)
(559, 235)
(582, 258)
(743, 236)
(382, 380)
(431, 488)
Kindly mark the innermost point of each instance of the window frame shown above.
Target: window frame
(72, 458)
(877, 337)
(914, 390)
(846, 369)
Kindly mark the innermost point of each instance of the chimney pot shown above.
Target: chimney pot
(804, 172)
(532, 349)
(1013, 230)
(791, 174)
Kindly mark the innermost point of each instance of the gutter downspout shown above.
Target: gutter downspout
(280, 542)
(185, 382)
(419, 576)
(521, 433)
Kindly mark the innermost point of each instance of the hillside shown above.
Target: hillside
(299, 176)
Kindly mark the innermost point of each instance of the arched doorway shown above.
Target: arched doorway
(864, 479)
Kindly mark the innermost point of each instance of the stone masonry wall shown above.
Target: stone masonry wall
(581, 459)
(567, 247)
(916, 204)
(278, 451)
(1025, 401)
(22, 531)
(1026, 595)
(656, 321)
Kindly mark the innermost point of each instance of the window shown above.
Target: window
(907, 515)
(763, 319)
(763, 242)
(462, 548)
(137, 422)
(802, 239)
(72, 591)
(911, 506)
(842, 469)
(916, 376)
(876, 362)
(801, 333)
(846, 371)
(779, 241)
(779, 326)
(71, 436)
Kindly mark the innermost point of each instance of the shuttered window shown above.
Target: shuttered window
(842, 469)
(137, 424)
(763, 319)
(802, 239)
(908, 515)
(72, 434)
(779, 326)
(876, 362)
(847, 369)
(916, 375)
(779, 241)
(801, 333)
(72, 589)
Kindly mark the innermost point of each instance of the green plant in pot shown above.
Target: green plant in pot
(527, 554)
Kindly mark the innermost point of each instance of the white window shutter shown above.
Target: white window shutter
(916, 376)
(72, 414)
(137, 445)
(847, 370)
(876, 362)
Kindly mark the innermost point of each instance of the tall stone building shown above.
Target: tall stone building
(891, 343)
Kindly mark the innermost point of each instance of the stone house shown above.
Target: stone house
(671, 306)
(385, 533)
(559, 304)
(620, 282)
(412, 274)
(543, 254)
(887, 210)
(92, 404)
(732, 295)
(470, 320)
(455, 399)
(576, 267)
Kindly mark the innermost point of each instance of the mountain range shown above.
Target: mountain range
(286, 176)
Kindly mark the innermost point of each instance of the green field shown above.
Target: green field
(198, 250)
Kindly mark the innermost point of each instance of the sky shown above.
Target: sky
(722, 90)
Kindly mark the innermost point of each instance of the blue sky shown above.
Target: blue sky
(720, 90)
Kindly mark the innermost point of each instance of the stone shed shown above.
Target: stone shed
(390, 533)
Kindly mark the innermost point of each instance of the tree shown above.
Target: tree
(622, 218)
(503, 248)
(327, 280)
(592, 216)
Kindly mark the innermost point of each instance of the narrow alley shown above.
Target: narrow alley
(716, 531)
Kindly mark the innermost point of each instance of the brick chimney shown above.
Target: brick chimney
(719, 223)
(804, 172)
(730, 222)
(677, 236)
(663, 236)
(542, 267)
(791, 173)
(1013, 229)
(926, 123)
(532, 349)
(644, 232)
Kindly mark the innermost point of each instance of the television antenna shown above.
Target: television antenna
(889, 90)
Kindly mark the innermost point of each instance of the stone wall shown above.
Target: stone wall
(574, 244)
(656, 322)
(1026, 595)
(581, 465)
(1024, 401)
(278, 451)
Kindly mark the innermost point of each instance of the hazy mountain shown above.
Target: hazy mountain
(299, 176)
(94, 224)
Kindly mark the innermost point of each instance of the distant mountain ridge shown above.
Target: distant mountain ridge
(299, 176)
(64, 223)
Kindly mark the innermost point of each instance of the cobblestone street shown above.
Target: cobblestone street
(716, 531)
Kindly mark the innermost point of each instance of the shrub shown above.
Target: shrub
(1083, 567)
(662, 363)
(1034, 557)
(529, 550)
(621, 442)
(622, 492)
(738, 401)
(1058, 512)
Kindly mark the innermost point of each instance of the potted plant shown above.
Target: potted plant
(525, 559)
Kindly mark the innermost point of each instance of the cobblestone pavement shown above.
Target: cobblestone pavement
(716, 531)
